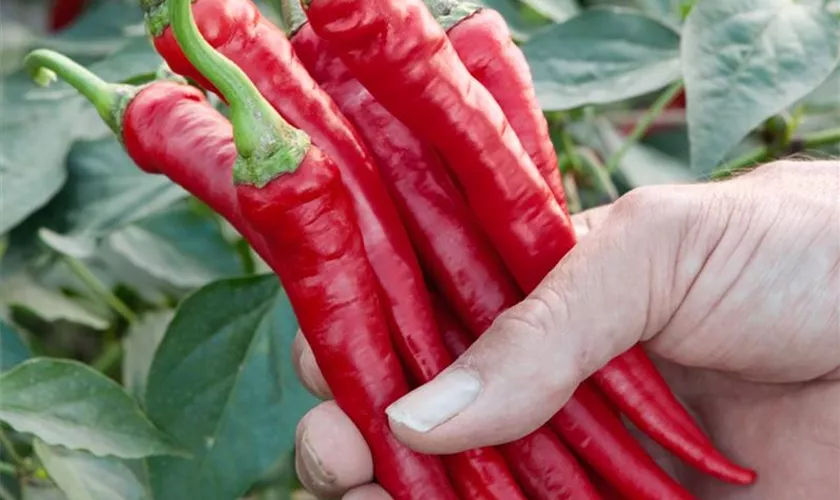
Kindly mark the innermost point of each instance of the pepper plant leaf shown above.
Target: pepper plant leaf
(556, 10)
(38, 126)
(602, 56)
(107, 191)
(520, 27)
(41, 489)
(67, 403)
(82, 476)
(139, 347)
(222, 381)
(36, 131)
(178, 246)
(13, 351)
(746, 60)
(48, 304)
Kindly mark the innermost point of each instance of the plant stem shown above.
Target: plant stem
(821, 138)
(108, 358)
(141, 79)
(92, 282)
(759, 154)
(5, 494)
(7, 468)
(10, 448)
(244, 249)
(44, 65)
(644, 123)
(569, 149)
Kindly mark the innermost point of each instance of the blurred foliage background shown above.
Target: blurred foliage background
(127, 308)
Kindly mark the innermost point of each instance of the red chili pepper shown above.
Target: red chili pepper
(64, 12)
(237, 30)
(573, 481)
(269, 60)
(405, 60)
(483, 41)
(440, 226)
(605, 489)
(292, 193)
(166, 128)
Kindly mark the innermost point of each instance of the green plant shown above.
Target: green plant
(118, 291)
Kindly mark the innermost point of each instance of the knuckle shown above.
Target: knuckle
(532, 316)
(537, 321)
(658, 206)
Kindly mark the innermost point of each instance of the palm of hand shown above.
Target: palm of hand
(789, 432)
(781, 412)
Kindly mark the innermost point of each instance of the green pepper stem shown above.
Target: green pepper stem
(451, 12)
(644, 123)
(292, 15)
(109, 99)
(149, 5)
(267, 145)
(756, 156)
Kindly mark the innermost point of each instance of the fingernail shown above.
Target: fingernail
(436, 402)
(313, 467)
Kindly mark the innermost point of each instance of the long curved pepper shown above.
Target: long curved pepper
(403, 57)
(166, 128)
(292, 194)
(483, 42)
(451, 247)
(237, 30)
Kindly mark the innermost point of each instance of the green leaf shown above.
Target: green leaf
(98, 32)
(135, 56)
(520, 27)
(826, 97)
(38, 489)
(602, 56)
(12, 349)
(641, 165)
(36, 131)
(107, 190)
(139, 348)
(178, 246)
(556, 10)
(668, 10)
(222, 381)
(595, 187)
(70, 404)
(82, 476)
(105, 21)
(77, 248)
(38, 127)
(50, 305)
(746, 60)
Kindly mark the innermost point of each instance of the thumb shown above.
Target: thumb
(618, 286)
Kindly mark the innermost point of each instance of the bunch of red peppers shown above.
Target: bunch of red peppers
(388, 159)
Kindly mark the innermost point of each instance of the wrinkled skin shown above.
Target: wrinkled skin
(734, 286)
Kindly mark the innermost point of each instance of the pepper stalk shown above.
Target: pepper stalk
(266, 144)
(110, 99)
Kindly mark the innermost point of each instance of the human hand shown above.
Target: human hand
(735, 285)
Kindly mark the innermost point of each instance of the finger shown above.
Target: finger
(586, 221)
(307, 369)
(332, 456)
(616, 287)
(367, 492)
